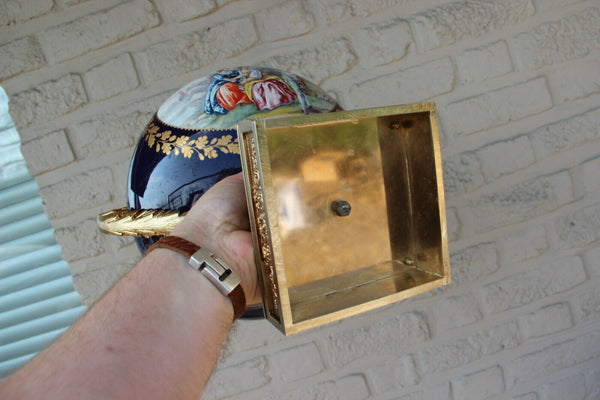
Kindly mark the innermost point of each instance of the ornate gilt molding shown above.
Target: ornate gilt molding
(262, 227)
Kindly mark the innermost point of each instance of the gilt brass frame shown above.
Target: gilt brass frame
(416, 220)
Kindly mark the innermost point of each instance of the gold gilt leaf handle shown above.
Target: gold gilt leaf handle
(147, 223)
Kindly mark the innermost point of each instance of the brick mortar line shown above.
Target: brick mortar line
(513, 314)
(505, 356)
(137, 93)
(506, 271)
(144, 38)
(41, 23)
(500, 358)
(557, 112)
(318, 337)
(535, 385)
(558, 338)
(475, 42)
(490, 320)
(556, 12)
(128, 253)
(78, 167)
(90, 109)
(546, 167)
(499, 232)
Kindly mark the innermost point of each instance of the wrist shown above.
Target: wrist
(214, 270)
(235, 247)
(184, 288)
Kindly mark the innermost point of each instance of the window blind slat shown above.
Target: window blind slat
(25, 244)
(37, 310)
(19, 174)
(24, 227)
(25, 208)
(30, 260)
(34, 277)
(12, 364)
(18, 193)
(37, 293)
(38, 326)
(37, 299)
(29, 345)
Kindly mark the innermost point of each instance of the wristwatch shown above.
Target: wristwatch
(215, 270)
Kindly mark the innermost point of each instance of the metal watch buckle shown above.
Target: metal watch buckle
(215, 270)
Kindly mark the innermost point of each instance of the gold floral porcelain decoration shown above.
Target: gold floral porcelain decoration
(167, 142)
(190, 143)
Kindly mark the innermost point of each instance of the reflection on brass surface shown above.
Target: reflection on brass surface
(355, 287)
(352, 207)
(147, 223)
(311, 167)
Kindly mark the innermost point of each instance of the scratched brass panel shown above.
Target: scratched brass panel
(311, 168)
(352, 211)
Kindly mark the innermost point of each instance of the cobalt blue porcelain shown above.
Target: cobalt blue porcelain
(191, 142)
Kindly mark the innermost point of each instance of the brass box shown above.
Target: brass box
(347, 211)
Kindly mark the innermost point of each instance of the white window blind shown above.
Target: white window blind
(37, 299)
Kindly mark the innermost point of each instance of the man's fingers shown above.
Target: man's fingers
(219, 222)
(239, 248)
(226, 202)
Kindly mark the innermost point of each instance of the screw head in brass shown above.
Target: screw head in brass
(341, 207)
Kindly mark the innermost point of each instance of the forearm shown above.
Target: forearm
(139, 341)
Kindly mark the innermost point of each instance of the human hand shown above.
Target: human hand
(219, 222)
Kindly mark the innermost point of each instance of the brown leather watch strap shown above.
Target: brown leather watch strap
(177, 244)
(214, 269)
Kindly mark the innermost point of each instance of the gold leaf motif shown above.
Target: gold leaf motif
(201, 141)
(181, 141)
(166, 142)
(150, 140)
(211, 152)
(233, 147)
(187, 151)
(152, 129)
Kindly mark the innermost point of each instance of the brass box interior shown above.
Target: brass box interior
(318, 265)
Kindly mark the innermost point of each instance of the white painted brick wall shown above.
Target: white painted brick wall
(115, 76)
(328, 58)
(184, 10)
(19, 56)
(15, 12)
(48, 100)
(404, 85)
(498, 107)
(570, 37)
(479, 385)
(95, 30)
(284, 20)
(483, 63)
(305, 358)
(517, 84)
(48, 152)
